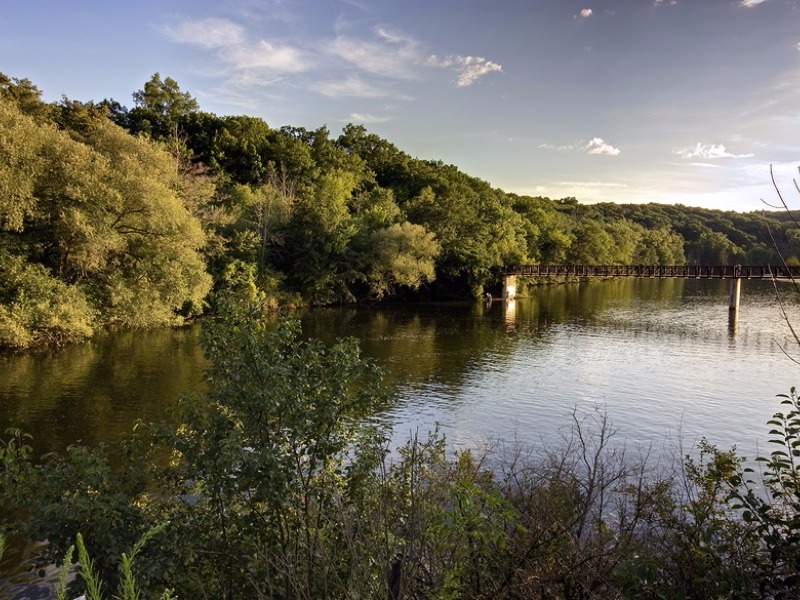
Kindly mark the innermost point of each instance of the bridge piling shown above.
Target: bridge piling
(736, 290)
(509, 287)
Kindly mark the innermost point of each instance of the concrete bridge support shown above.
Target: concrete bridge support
(509, 287)
(736, 290)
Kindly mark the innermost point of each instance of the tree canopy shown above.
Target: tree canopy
(130, 217)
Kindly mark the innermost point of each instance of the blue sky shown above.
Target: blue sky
(685, 101)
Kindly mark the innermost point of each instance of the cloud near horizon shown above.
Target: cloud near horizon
(596, 145)
(599, 146)
(710, 151)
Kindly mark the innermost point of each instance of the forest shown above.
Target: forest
(135, 217)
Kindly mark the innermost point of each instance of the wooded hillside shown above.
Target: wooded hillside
(118, 216)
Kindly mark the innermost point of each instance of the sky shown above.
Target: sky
(675, 101)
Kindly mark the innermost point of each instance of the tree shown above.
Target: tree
(98, 210)
(713, 248)
(318, 235)
(159, 109)
(402, 255)
(660, 246)
(26, 96)
(593, 245)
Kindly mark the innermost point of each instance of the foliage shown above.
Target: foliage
(131, 218)
(36, 307)
(776, 514)
(92, 231)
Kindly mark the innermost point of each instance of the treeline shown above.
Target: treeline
(118, 216)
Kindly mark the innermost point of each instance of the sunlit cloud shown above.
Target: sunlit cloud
(468, 68)
(710, 151)
(750, 3)
(586, 12)
(232, 48)
(599, 146)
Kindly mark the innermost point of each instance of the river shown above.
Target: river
(660, 358)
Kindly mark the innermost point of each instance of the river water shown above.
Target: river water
(660, 358)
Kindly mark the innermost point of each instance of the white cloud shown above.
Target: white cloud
(710, 151)
(234, 50)
(393, 55)
(586, 12)
(468, 68)
(599, 146)
(364, 118)
(750, 3)
(395, 37)
(267, 56)
(594, 146)
(345, 65)
(207, 33)
(554, 147)
(352, 86)
(592, 184)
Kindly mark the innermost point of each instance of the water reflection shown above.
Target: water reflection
(658, 355)
(92, 393)
(652, 352)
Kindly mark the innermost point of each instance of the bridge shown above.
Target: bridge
(735, 273)
(655, 272)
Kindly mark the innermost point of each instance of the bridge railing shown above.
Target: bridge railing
(656, 271)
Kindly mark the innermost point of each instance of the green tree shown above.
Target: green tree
(593, 245)
(660, 246)
(98, 209)
(713, 248)
(318, 235)
(159, 109)
(402, 255)
(26, 96)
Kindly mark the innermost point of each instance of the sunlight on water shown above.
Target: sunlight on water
(659, 358)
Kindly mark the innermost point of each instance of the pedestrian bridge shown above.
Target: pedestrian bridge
(734, 273)
(655, 272)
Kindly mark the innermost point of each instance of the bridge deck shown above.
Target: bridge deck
(655, 272)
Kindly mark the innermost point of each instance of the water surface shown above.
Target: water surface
(659, 357)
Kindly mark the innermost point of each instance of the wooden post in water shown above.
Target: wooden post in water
(509, 287)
